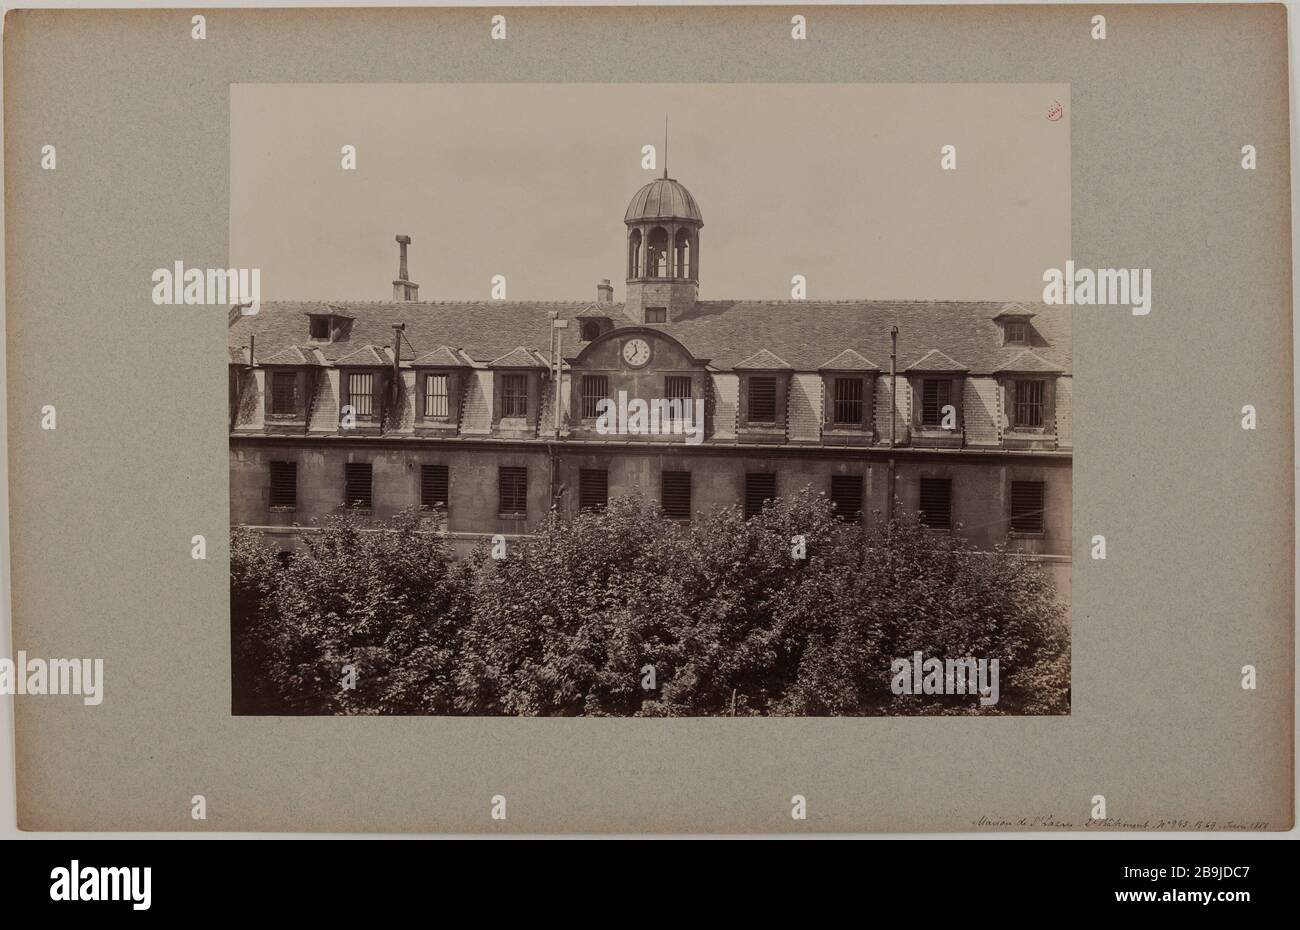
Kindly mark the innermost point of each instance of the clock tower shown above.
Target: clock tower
(663, 252)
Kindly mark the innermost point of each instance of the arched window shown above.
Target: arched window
(590, 330)
(634, 254)
(683, 254)
(657, 253)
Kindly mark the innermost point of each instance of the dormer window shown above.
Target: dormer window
(1030, 399)
(1015, 326)
(328, 327)
(361, 392)
(514, 395)
(436, 396)
(762, 399)
(936, 395)
(590, 330)
(284, 393)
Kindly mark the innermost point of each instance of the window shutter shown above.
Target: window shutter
(357, 485)
(759, 486)
(675, 487)
(1027, 506)
(936, 503)
(512, 487)
(284, 484)
(434, 481)
(846, 495)
(593, 488)
(762, 399)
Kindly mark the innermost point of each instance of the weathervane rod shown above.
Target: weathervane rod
(665, 146)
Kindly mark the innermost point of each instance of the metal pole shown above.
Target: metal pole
(893, 411)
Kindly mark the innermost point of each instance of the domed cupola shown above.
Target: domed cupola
(663, 251)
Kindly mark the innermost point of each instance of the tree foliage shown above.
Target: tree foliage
(573, 621)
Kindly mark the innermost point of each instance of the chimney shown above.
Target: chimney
(403, 287)
(604, 292)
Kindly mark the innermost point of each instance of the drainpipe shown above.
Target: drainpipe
(394, 417)
(557, 372)
(893, 411)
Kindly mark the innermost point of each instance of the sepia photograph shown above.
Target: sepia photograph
(647, 422)
(647, 401)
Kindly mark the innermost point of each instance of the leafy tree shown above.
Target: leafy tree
(721, 610)
(388, 601)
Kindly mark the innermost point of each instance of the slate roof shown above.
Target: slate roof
(520, 357)
(934, 360)
(368, 356)
(1030, 362)
(806, 333)
(292, 355)
(848, 360)
(442, 357)
(762, 360)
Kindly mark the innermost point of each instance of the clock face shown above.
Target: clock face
(636, 352)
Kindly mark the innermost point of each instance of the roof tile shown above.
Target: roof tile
(762, 360)
(849, 360)
(1030, 362)
(805, 332)
(368, 356)
(934, 360)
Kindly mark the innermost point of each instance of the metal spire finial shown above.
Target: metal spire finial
(665, 146)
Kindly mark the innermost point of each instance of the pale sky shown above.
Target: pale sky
(838, 182)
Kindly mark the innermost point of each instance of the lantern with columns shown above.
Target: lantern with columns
(663, 252)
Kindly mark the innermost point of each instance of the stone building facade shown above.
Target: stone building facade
(489, 411)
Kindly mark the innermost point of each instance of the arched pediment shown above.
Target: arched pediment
(605, 350)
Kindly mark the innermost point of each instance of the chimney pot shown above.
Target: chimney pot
(404, 288)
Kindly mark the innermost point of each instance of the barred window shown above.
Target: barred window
(759, 487)
(512, 486)
(675, 492)
(284, 392)
(850, 398)
(846, 495)
(936, 393)
(936, 503)
(762, 399)
(284, 484)
(514, 395)
(357, 482)
(678, 388)
(1026, 506)
(593, 488)
(435, 396)
(595, 388)
(361, 393)
(1028, 409)
(433, 486)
